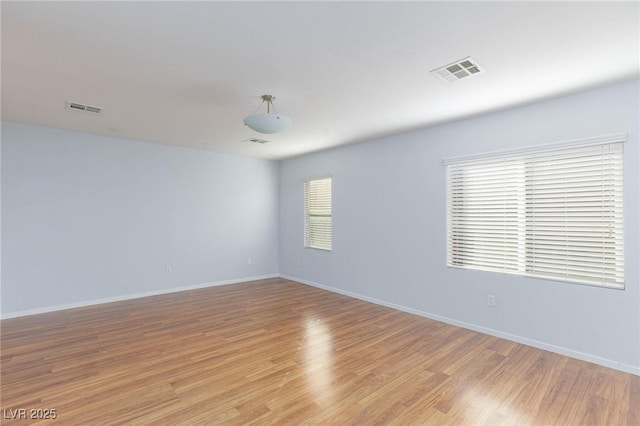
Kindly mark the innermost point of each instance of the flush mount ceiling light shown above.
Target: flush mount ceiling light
(271, 122)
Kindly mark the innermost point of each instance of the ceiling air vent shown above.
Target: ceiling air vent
(82, 107)
(458, 70)
(256, 140)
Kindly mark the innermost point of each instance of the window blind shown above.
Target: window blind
(554, 213)
(317, 218)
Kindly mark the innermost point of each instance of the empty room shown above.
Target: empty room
(332, 213)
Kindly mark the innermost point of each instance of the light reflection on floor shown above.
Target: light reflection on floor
(318, 361)
(488, 408)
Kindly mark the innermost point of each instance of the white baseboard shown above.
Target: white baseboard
(131, 296)
(485, 330)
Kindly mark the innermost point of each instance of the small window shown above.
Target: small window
(317, 213)
(555, 213)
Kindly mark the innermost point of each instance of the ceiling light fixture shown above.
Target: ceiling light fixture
(271, 122)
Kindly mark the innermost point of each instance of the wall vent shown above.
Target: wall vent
(82, 107)
(256, 140)
(458, 70)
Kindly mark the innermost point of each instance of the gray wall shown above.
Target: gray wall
(87, 217)
(389, 242)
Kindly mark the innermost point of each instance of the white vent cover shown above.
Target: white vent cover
(458, 70)
(256, 140)
(82, 107)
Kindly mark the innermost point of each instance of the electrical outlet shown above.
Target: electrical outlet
(168, 270)
(491, 300)
(249, 261)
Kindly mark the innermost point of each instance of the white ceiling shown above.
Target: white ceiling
(186, 73)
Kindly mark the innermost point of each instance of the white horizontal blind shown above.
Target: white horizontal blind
(574, 210)
(556, 214)
(317, 218)
(485, 214)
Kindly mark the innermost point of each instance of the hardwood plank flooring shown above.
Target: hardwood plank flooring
(279, 352)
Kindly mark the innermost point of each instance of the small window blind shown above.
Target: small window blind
(317, 217)
(553, 213)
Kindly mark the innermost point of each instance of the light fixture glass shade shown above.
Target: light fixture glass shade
(267, 123)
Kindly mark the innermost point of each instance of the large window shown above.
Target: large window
(317, 213)
(554, 213)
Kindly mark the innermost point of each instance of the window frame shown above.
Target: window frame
(615, 279)
(307, 244)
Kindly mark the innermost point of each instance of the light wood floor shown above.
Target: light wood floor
(278, 352)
